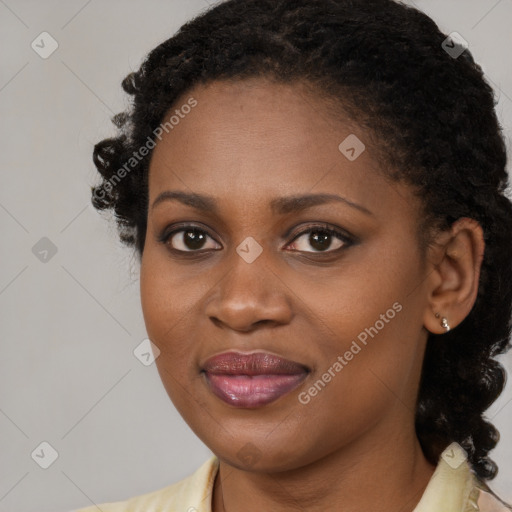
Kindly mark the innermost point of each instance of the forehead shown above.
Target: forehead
(254, 140)
(240, 119)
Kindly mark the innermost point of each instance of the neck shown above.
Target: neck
(367, 475)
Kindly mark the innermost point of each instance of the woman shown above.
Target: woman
(315, 189)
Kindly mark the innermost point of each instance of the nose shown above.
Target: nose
(250, 295)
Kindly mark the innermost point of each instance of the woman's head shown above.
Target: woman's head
(355, 99)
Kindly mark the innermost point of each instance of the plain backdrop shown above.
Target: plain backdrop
(69, 295)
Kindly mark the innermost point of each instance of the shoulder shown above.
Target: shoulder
(454, 486)
(487, 501)
(190, 494)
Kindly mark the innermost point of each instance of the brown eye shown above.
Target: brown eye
(189, 240)
(321, 239)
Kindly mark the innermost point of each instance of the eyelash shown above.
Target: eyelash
(318, 228)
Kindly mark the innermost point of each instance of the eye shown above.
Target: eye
(321, 238)
(188, 239)
(192, 239)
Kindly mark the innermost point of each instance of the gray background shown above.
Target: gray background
(69, 325)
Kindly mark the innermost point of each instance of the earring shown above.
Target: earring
(444, 322)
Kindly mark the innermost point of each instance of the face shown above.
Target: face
(281, 279)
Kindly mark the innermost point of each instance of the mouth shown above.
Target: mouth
(252, 380)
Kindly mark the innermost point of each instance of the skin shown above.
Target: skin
(353, 446)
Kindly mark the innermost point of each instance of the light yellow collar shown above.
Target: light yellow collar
(452, 487)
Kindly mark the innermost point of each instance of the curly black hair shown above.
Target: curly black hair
(430, 116)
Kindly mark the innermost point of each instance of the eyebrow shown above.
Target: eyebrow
(280, 205)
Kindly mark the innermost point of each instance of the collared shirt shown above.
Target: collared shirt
(452, 488)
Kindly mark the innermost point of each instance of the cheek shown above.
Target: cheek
(166, 306)
(369, 297)
(370, 316)
(171, 296)
(164, 317)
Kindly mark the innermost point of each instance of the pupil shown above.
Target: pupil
(320, 242)
(194, 239)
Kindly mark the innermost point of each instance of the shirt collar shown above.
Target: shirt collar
(452, 487)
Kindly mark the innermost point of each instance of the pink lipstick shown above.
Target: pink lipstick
(252, 380)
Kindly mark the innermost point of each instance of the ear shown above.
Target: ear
(456, 258)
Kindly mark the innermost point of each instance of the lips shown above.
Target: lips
(252, 380)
